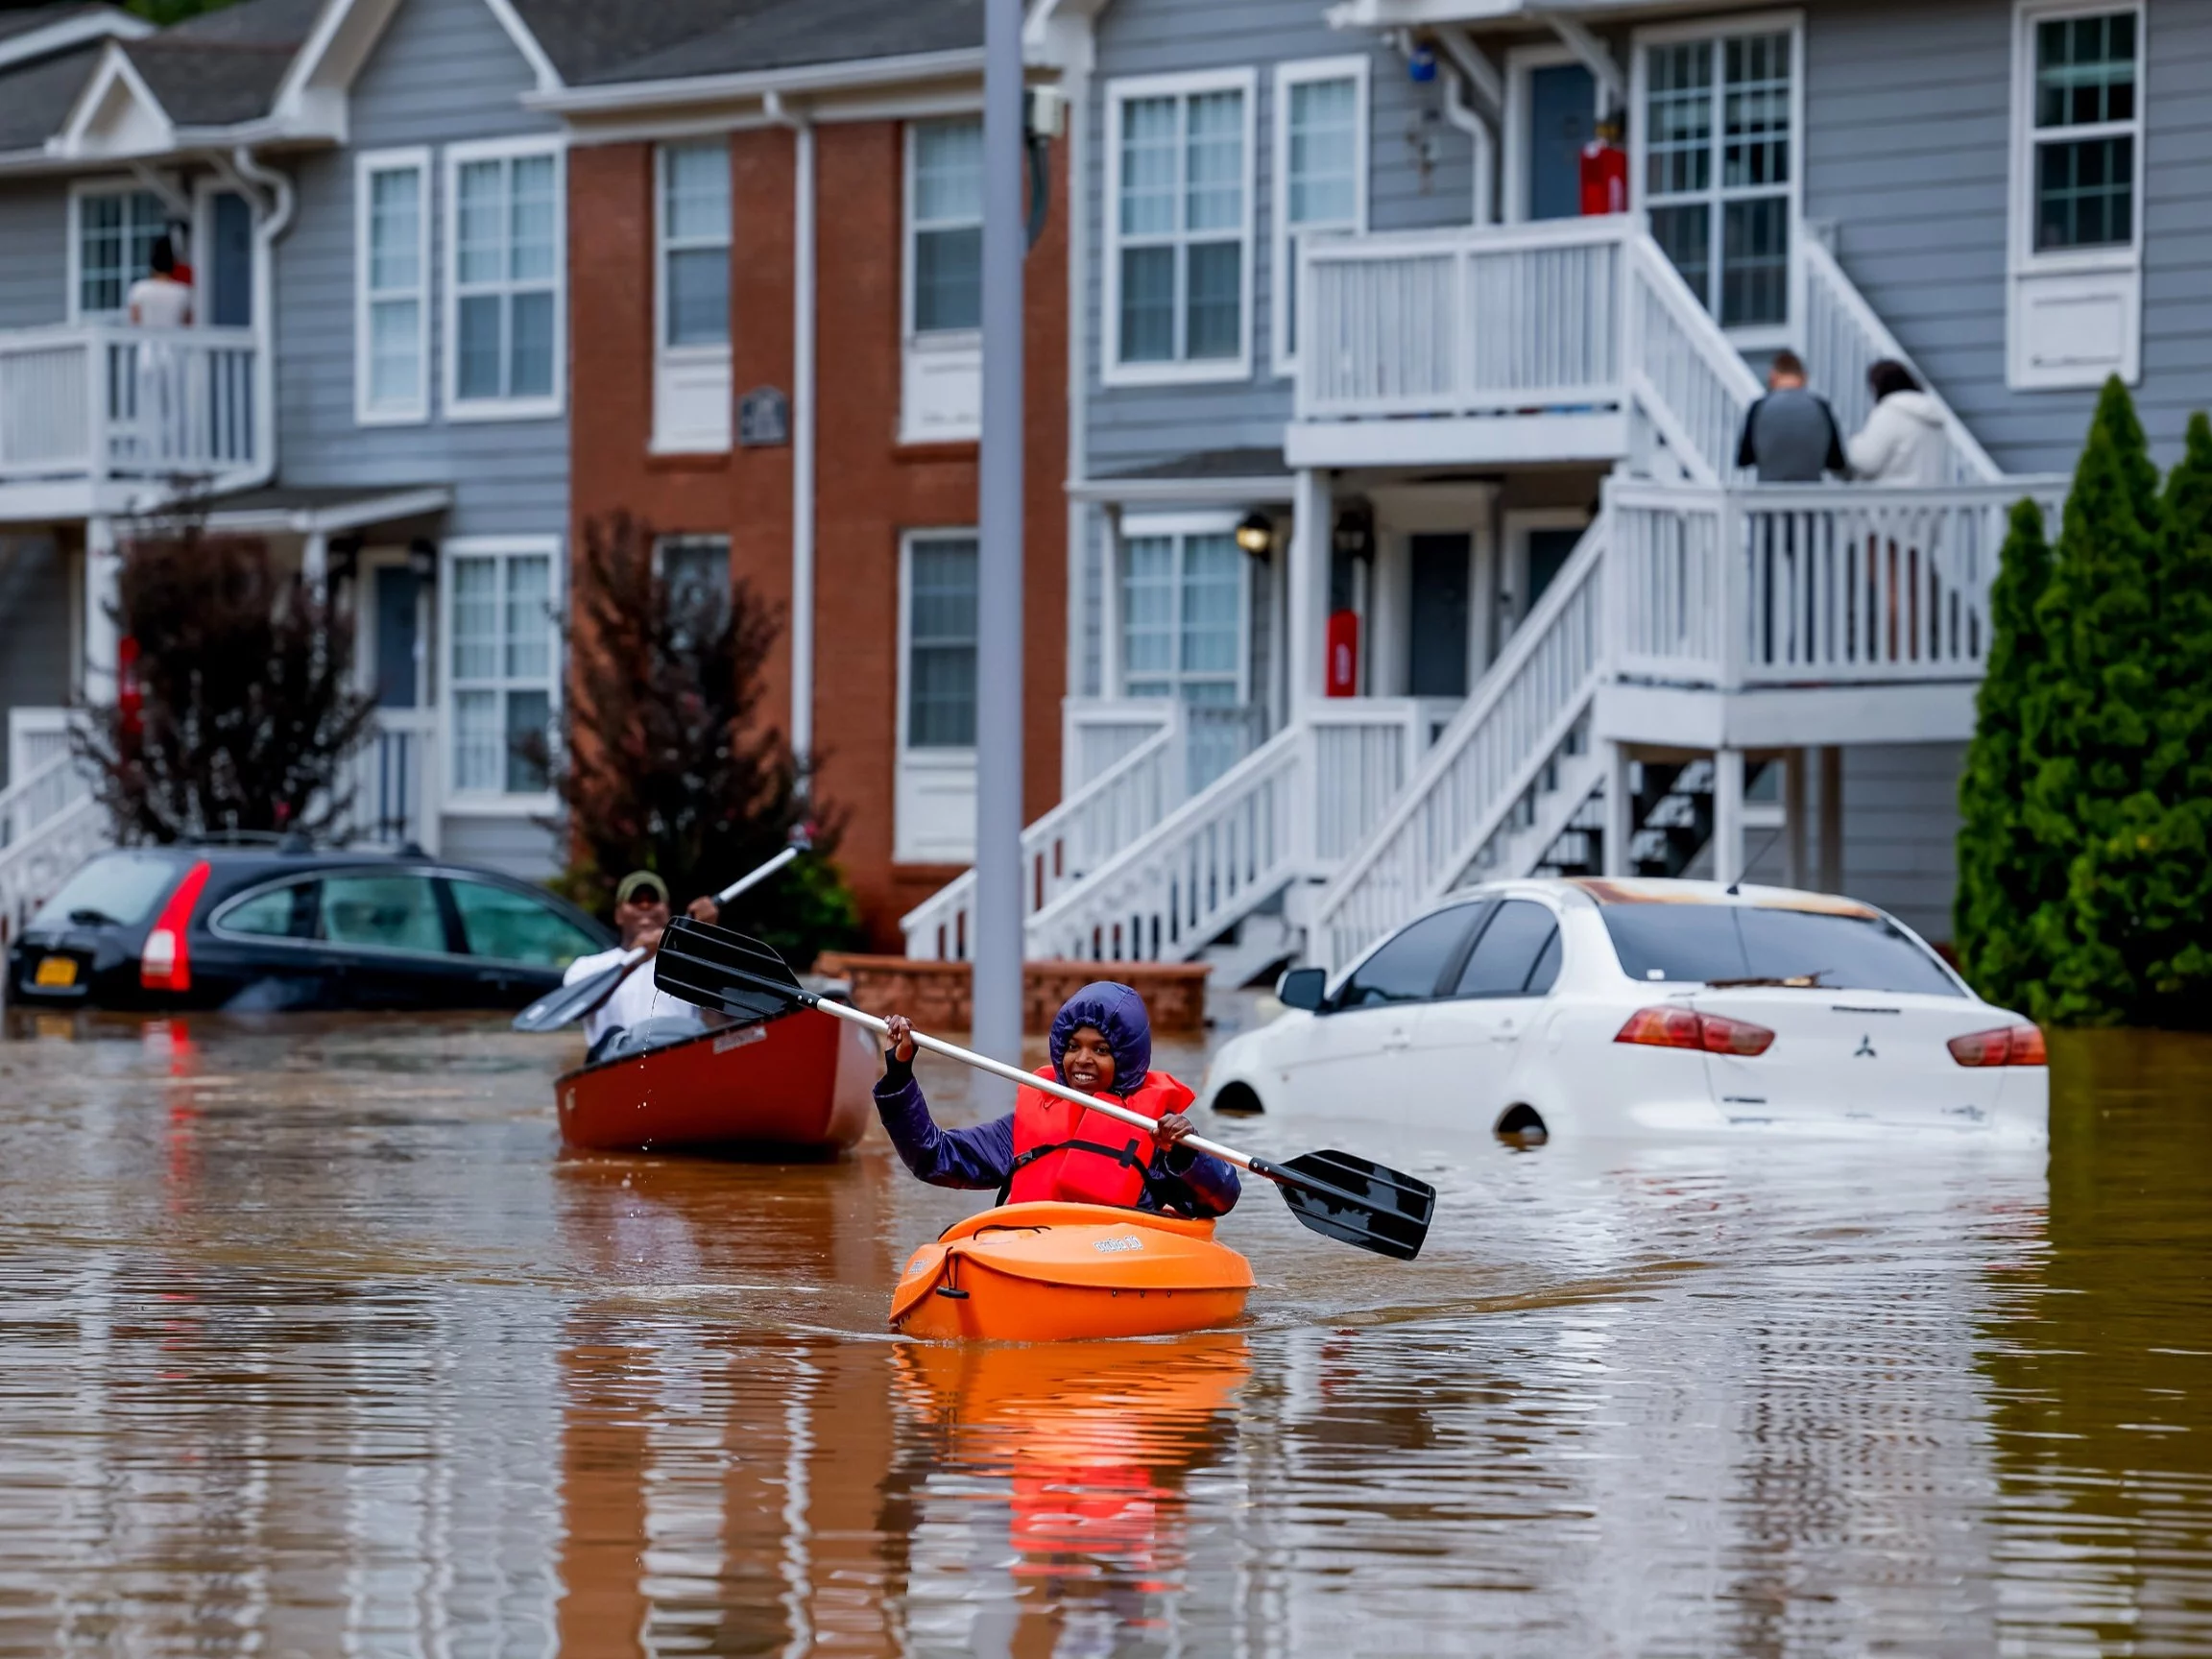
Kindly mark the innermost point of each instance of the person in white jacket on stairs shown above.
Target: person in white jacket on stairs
(1903, 441)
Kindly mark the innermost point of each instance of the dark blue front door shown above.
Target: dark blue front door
(227, 274)
(395, 589)
(1561, 101)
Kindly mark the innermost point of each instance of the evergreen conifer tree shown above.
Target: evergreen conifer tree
(2006, 875)
(2144, 887)
(2092, 729)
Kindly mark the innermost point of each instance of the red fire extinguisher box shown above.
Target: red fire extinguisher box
(1343, 655)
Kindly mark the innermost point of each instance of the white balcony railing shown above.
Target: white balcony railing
(96, 402)
(1567, 317)
(1807, 585)
(395, 779)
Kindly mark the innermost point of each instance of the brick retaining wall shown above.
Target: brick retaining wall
(935, 995)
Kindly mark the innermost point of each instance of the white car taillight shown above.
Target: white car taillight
(2006, 1046)
(1687, 1028)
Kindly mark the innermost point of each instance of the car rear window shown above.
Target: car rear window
(1702, 943)
(121, 887)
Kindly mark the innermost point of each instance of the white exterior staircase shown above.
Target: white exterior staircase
(1687, 578)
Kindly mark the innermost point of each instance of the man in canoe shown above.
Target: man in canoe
(1046, 1148)
(635, 1006)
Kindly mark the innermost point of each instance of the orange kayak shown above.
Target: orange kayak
(792, 1081)
(1063, 1272)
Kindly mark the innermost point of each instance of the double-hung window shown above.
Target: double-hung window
(2076, 188)
(1719, 146)
(504, 300)
(1179, 223)
(1320, 173)
(392, 286)
(1184, 612)
(503, 662)
(934, 810)
(943, 394)
(115, 241)
(691, 361)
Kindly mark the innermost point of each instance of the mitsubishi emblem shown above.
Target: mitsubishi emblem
(1865, 1048)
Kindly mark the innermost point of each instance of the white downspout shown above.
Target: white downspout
(803, 306)
(267, 228)
(1474, 70)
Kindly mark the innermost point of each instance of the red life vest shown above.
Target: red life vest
(1065, 1154)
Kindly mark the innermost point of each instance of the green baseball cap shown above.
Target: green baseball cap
(640, 881)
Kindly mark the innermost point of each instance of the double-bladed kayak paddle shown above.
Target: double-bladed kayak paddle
(1338, 1194)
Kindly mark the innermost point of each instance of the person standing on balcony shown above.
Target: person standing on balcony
(1903, 441)
(161, 298)
(1790, 435)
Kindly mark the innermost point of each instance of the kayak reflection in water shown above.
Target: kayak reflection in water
(1048, 1149)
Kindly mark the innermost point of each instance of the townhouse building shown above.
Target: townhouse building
(774, 276)
(374, 380)
(1407, 543)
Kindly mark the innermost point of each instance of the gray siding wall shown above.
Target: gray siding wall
(34, 252)
(34, 630)
(1901, 830)
(1132, 426)
(444, 73)
(1908, 113)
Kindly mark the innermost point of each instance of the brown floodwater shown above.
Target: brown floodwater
(315, 1344)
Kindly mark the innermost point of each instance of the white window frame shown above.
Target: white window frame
(80, 191)
(496, 803)
(366, 166)
(2113, 273)
(1283, 264)
(696, 374)
(1750, 336)
(458, 156)
(914, 769)
(944, 357)
(1113, 372)
(1180, 526)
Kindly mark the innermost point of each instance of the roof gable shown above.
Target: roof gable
(116, 114)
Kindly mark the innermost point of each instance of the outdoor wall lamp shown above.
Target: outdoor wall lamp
(1354, 533)
(1256, 533)
(422, 559)
(343, 559)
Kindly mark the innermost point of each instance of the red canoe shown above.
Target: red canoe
(797, 1080)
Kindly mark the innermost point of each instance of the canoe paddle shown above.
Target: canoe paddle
(1338, 1194)
(567, 1003)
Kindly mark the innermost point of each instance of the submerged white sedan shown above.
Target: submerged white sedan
(1584, 1008)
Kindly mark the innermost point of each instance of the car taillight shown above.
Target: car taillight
(1687, 1028)
(2006, 1046)
(165, 964)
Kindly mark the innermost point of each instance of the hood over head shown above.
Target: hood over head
(1117, 1013)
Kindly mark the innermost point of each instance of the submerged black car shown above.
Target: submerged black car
(259, 928)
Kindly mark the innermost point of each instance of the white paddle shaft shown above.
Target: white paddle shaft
(1030, 1080)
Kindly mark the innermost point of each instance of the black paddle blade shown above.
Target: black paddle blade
(716, 968)
(1355, 1201)
(565, 1002)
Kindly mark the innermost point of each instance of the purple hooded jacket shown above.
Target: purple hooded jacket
(983, 1157)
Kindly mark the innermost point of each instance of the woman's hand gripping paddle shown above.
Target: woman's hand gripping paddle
(558, 1006)
(1338, 1194)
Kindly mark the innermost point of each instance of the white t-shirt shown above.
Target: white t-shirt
(634, 999)
(158, 303)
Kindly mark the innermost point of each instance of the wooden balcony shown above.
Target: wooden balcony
(103, 418)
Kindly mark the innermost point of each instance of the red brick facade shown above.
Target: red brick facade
(869, 487)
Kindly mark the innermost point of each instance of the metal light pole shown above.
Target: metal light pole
(997, 947)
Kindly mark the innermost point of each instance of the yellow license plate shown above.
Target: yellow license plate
(57, 973)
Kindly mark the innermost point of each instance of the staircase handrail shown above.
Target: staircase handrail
(46, 856)
(1711, 455)
(1212, 805)
(1848, 392)
(54, 784)
(945, 904)
(1577, 581)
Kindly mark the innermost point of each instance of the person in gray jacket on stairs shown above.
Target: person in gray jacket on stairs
(1790, 435)
(1903, 441)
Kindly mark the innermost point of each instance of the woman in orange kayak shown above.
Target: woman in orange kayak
(1051, 1149)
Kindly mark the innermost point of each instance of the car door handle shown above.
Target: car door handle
(1398, 1039)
